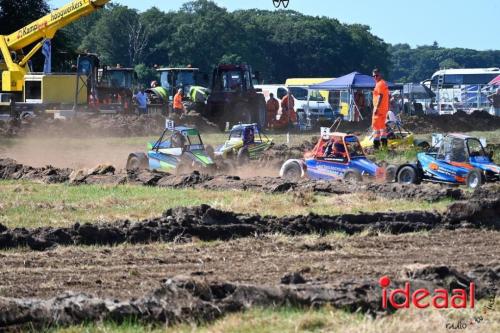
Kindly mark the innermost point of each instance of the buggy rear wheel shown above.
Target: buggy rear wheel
(390, 173)
(292, 171)
(243, 156)
(137, 161)
(353, 176)
(407, 175)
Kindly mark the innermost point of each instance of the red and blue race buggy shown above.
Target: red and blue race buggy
(456, 159)
(335, 156)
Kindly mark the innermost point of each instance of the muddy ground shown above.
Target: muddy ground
(158, 271)
(109, 175)
(200, 281)
(209, 224)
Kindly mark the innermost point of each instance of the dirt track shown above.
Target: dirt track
(210, 280)
(206, 223)
(88, 125)
(107, 174)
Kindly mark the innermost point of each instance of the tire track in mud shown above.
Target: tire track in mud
(108, 175)
(193, 300)
(206, 223)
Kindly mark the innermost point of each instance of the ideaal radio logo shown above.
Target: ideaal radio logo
(278, 3)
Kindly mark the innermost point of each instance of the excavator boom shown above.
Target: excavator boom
(14, 66)
(47, 26)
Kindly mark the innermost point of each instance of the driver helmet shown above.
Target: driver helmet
(178, 140)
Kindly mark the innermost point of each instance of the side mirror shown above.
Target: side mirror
(490, 154)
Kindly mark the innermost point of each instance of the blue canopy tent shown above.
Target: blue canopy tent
(350, 82)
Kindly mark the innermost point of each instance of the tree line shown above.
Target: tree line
(278, 44)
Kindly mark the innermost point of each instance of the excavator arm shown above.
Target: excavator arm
(15, 63)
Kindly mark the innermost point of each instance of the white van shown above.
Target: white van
(317, 108)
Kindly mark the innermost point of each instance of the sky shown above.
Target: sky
(452, 23)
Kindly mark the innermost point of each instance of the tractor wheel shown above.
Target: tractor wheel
(292, 171)
(260, 116)
(243, 156)
(137, 161)
(474, 179)
(407, 175)
(390, 173)
(242, 114)
(352, 176)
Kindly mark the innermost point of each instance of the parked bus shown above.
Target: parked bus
(462, 87)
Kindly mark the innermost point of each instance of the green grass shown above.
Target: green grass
(326, 319)
(29, 204)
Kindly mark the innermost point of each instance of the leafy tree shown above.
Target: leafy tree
(145, 73)
(118, 37)
(16, 14)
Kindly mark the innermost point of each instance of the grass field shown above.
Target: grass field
(29, 204)
(291, 320)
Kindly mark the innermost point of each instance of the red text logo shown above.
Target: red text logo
(439, 299)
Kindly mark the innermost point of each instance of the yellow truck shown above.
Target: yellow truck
(332, 97)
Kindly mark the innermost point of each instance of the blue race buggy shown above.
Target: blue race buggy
(335, 156)
(178, 150)
(456, 159)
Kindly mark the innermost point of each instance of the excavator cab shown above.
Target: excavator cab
(109, 90)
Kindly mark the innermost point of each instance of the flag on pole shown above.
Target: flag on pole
(47, 53)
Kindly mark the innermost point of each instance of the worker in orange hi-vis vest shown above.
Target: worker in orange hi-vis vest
(272, 107)
(288, 108)
(380, 109)
(178, 106)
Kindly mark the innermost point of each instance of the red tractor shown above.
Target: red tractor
(233, 98)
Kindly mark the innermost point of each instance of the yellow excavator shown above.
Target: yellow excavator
(17, 83)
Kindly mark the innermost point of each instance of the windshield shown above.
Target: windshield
(299, 93)
(315, 96)
(232, 81)
(353, 147)
(185, 78)
(118, 79)
(235, 134)
(475, 148)
(194, 140)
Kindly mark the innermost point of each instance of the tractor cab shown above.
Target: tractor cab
(109, 89)
(181, 77)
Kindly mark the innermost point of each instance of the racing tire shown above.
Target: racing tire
(474, 179)
(243, 156)
(407, 175)
(292, 171)
(182, 169)
(353, 176)
(210, 151)
(390, 173)
(137, 161)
